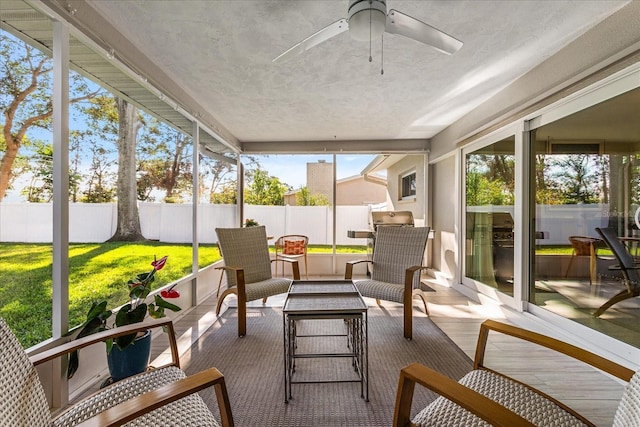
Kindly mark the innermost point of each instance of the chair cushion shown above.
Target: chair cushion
(267, 288)
(628, 413)
(293, 247)
(188, 411)
(381, 290)
(513, 395)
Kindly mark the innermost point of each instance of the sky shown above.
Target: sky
(292, 169)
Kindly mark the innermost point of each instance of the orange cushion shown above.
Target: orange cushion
(293, 247)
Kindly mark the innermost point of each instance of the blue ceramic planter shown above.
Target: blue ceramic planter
(133, 360)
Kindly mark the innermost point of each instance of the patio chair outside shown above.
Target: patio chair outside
(289, 248)
(245, 252)
(487, 397)
(626, 266)
(164, 396)
(397, 262)
(584, 246)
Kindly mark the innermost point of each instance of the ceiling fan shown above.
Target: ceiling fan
(367, 20)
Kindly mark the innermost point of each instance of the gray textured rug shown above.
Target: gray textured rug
(253, 367)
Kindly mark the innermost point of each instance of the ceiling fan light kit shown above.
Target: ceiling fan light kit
(367, 20)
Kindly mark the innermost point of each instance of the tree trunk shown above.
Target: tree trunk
(6, 164)
(128, 229)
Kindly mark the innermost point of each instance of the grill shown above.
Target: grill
(381, 219)
(502, 238)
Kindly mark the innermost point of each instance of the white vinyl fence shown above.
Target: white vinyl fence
(172, 223)
(96, 222)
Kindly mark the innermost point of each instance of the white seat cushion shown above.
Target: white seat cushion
(628, 413)
(514, 396)
(188, 411)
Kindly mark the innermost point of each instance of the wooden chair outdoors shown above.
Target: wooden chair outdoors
(397, 262)
(290, 248)
(158, 397)
(245, 252)
(485, 394)
(584, 246)
(626, 265)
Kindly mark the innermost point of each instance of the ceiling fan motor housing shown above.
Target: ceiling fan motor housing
(367, 19)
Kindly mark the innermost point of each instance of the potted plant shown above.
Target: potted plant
(250, 222)
(130, 354)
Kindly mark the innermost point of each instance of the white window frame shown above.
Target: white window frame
(401, 182)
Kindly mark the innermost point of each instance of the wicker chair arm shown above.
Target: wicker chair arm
(66, 348)
(408, 277)
(474, 402)
(570, 350)
(133, 408)
(295, 266)
(348, 272)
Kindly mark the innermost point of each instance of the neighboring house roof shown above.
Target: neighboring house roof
(380, 179)
(381, 162)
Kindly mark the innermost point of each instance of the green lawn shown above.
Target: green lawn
(101, 271)
(97, 271)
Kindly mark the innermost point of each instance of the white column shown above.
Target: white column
(195, 212)
(60, 315)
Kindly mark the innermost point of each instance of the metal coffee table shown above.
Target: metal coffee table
(323, 300)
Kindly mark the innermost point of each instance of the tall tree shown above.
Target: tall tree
(25, 99)
(165, 164)
(129, 124)
(100, 188)
(40, 189)
(305, 198)
(265, 190)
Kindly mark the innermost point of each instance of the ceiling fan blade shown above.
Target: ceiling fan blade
(315, 39)
(405, 25)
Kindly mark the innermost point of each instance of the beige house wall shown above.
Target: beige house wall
(411, 163)
(443, 196)
(353, 191)
(357, 191)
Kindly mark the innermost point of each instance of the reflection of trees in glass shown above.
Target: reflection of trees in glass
(635, 179)
(490, 180)
(578, 178)
(571, 179)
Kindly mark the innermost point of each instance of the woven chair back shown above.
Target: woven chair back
(248, 249)
(396, 249)
(22, 398)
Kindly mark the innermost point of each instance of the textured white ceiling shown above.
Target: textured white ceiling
(220, 52)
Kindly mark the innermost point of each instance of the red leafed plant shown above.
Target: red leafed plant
(133, 312)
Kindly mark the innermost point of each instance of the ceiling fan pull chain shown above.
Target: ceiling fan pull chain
(370, 59)
(382, 54)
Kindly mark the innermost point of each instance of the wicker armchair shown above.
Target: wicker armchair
(486, 397)
(397, 262)
(245, 252)
(158, 397)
